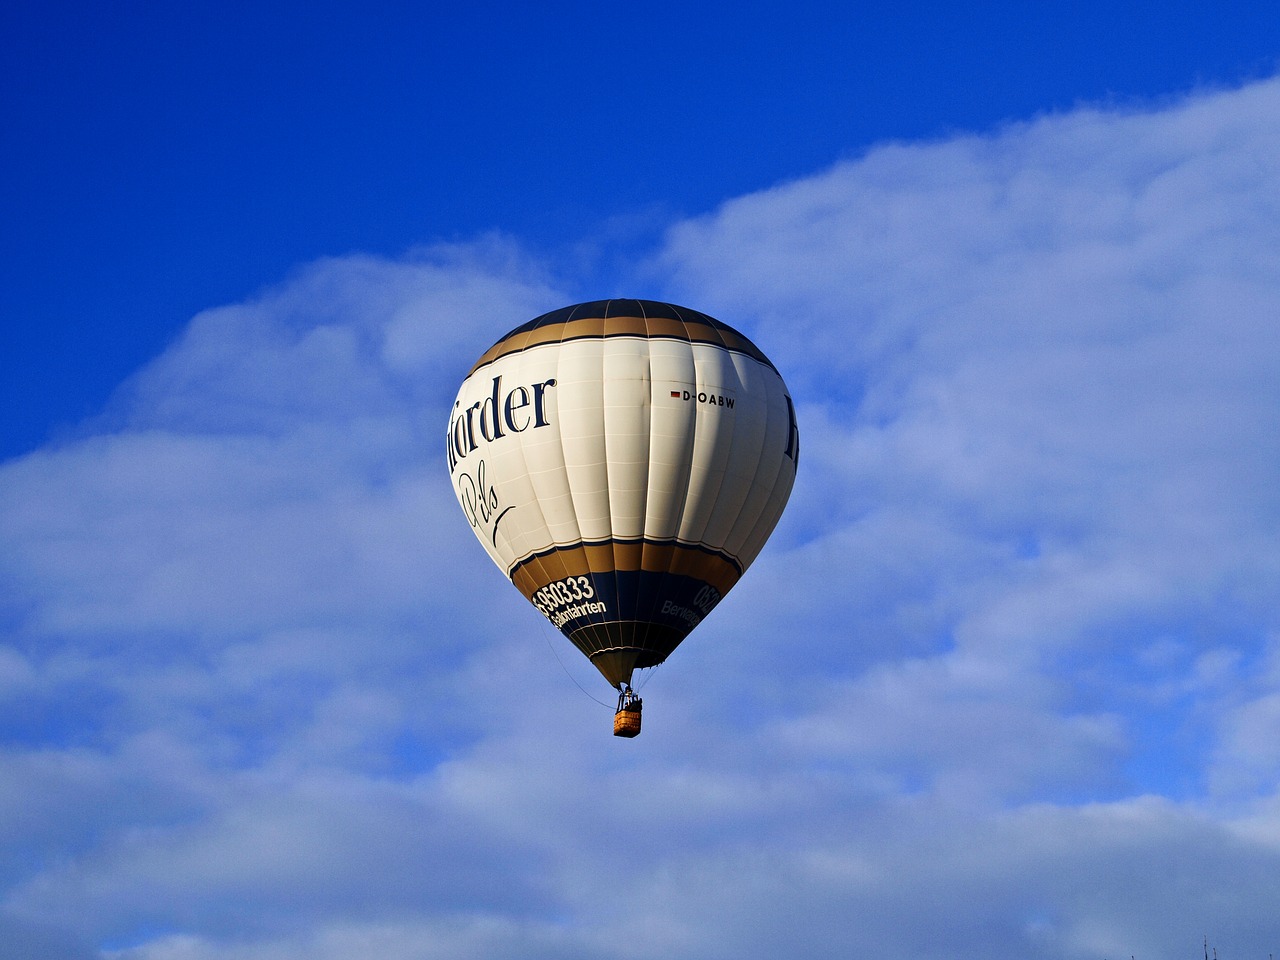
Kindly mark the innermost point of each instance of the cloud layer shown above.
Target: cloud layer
(1006, 682)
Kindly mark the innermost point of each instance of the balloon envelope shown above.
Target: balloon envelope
(623, 462)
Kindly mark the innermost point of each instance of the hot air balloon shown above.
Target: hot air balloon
(623, 462)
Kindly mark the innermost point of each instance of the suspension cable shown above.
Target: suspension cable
(546, 636)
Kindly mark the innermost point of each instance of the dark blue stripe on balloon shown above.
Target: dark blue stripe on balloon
(671, 600)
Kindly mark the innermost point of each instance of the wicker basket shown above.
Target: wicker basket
(626, 723)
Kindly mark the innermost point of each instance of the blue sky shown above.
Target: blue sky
(161, 159)
(1006, 681)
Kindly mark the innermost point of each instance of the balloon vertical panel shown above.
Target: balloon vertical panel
(580, 399)
(761, 462)
(712, 441)
(671, 436)
(543, 451)
(776, 473)
(740, 507)
(743, 405)
(627, 409)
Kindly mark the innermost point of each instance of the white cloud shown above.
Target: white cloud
(1036, 377)
(1004, 684)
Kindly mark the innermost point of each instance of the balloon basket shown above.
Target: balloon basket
(626, 723)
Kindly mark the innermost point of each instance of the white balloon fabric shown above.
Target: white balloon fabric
(623, 462)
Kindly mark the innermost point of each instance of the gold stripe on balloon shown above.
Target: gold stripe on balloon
(534, 573)
(599, 328)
